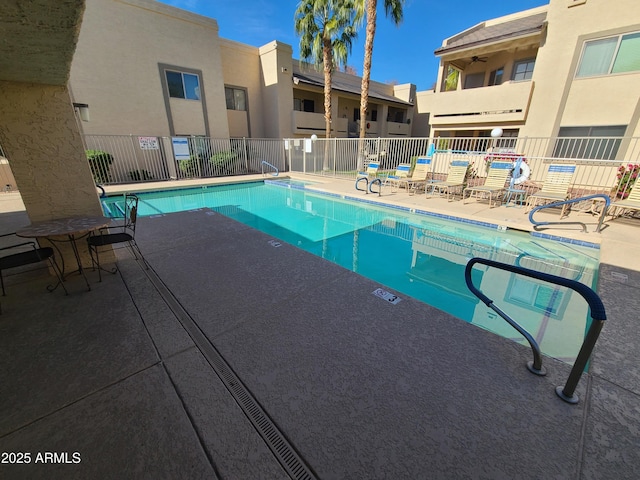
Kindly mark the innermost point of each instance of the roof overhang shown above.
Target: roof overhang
(492, 36)
(310, 80)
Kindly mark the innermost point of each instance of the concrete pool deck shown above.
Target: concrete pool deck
(138, 376)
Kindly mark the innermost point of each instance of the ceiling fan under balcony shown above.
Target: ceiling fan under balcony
(475, 59)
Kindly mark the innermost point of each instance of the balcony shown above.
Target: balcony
(508, 102)
(308, 123)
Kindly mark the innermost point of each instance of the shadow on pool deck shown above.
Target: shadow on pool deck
(130, 377)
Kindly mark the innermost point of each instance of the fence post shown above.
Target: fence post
(244, 151)
(135, 160)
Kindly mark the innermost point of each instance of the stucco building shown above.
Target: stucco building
(569, 68)
(146, 68)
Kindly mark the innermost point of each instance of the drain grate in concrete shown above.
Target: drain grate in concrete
(273, 437)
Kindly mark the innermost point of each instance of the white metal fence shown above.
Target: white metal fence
(142, 159)
(603, 165)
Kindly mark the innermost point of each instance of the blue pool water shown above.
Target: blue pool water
(418, 255)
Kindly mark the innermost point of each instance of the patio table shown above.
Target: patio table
(68, 230)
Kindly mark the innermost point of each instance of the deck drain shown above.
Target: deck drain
(273, 437)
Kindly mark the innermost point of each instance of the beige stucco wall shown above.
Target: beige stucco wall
(276, 66)
(40, 136)
(115, 68)
(562, 100)
(241, 68)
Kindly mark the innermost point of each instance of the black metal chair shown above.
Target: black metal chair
(27, 253)
(125, 233)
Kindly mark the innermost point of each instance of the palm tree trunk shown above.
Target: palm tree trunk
(327, 59)
(372, 6)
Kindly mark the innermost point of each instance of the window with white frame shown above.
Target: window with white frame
(236, 98)
(606, 56)
(523, 69)
(183, 85)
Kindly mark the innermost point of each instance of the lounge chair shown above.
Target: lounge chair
(555, 187)
(632, 202)
(399, 177)
(494, 185)
(371, 171)
(454, 181)
(421, 173)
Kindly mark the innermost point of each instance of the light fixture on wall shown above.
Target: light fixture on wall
(83, 109)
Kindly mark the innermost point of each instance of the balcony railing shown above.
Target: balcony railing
(496, 104)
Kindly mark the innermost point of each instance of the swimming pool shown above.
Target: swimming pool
(419, 255)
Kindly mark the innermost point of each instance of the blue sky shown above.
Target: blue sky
(402, 54)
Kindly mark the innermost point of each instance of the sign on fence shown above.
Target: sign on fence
(148, 143)
(180, 148)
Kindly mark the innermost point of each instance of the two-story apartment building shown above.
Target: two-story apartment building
(147, 68)
(567, 69)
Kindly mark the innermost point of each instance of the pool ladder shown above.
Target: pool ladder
(264, 163)
(375, 181)
(598, 315)
(542, 225)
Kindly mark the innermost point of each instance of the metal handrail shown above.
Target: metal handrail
(566, 393)
(537, 225)
(264, 162)
(367, 189)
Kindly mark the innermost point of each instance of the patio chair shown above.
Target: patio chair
(632, 202)
(399, 177)
(495, 184)
(555, 187)
(26, 253)
(370, 172)
(421, 173)
(114, 235)
(454, 181)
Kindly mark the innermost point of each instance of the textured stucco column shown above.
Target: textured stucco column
(41, 139)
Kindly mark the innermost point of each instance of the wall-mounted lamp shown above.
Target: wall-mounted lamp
(83, 109)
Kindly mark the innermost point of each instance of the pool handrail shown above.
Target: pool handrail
(264, 162)
(598, 315)
(367, 189)
(542, 225)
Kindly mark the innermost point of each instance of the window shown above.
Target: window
(183, 85)
(523, 69)
(474, 80)
(610, 55)
(603, 144)
(303, 105)
(495, 77)
(450, 81)
(236, 98)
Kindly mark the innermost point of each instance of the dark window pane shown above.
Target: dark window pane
(174, 82)
(592, 147)
(475, 80)
(228, 94)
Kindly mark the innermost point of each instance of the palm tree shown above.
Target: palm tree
(393, 9)
(326, 29)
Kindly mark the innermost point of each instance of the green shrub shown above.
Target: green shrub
(100, 162)
(223, 161)
(189, 168)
